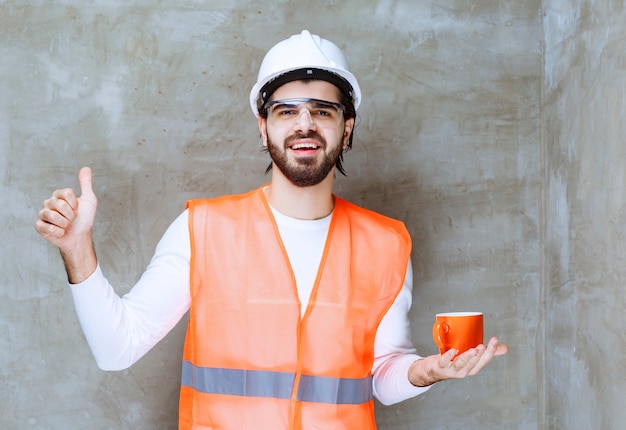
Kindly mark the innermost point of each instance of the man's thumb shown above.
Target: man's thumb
(84, 177)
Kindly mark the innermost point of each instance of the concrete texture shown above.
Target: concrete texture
(585, 106)
(492, 128)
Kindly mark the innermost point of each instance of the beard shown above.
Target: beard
(304, 172)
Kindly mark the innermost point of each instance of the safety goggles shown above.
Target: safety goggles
(288, 111)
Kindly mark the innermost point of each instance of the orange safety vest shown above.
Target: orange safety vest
(250, 361)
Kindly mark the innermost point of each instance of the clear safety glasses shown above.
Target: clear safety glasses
(286, 112)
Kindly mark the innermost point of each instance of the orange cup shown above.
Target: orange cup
(458, 330)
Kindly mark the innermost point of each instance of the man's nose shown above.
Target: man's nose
(305, 120)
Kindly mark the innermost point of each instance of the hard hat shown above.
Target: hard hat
(303, 56)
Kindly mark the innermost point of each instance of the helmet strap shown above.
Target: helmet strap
(301, 74)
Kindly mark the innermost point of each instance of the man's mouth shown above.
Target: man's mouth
(306, 146)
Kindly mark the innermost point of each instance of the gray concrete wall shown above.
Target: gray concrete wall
(456, 137)
(585, 65)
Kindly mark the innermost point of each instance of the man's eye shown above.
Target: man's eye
(286, 111)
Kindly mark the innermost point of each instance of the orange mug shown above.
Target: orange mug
(458, 330)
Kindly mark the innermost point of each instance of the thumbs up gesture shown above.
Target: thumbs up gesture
(66, 220)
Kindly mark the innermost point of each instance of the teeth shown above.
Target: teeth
(304, 146)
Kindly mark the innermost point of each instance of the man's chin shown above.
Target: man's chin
(306, 178)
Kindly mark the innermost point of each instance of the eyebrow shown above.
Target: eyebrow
(293, 101)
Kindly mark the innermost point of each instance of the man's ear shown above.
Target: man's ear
(263, 129)
(347, 131)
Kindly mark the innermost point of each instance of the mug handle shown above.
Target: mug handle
(438, 327)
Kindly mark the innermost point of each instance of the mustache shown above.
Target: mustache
(309, 135)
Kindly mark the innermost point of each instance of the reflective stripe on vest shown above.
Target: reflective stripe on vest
(259, 383)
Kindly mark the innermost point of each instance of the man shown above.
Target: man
(298, 300)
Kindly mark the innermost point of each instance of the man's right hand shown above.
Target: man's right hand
(66, 220)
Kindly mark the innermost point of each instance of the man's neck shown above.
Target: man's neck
(312, 202)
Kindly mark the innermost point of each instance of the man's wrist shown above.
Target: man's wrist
(80, 262)
(420, 373)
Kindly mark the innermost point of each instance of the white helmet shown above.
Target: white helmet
(305, 56)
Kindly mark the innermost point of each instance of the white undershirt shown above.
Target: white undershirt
(304, 241)
(121, 330)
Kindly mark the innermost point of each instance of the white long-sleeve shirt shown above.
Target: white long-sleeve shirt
(120, 330)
